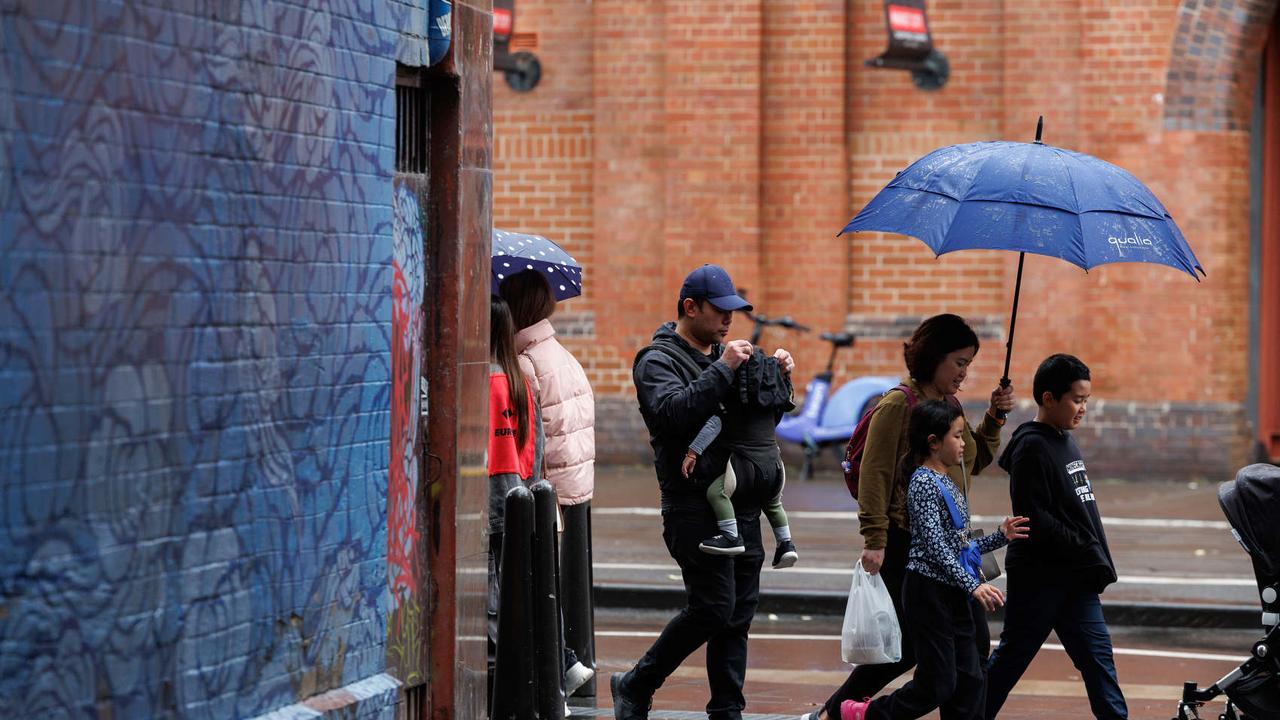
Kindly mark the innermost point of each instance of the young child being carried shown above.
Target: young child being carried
(761, 395)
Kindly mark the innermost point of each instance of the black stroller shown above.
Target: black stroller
(1251, 503)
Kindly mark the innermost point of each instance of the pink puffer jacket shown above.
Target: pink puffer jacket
(568, 411)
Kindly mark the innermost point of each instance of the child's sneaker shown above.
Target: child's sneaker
(854, 709)
(576, 676)
(723, 545)
(785, 555)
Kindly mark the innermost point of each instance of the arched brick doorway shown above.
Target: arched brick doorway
(1218, 50)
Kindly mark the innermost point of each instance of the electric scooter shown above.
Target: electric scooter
(826, 419)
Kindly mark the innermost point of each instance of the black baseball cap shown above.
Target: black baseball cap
(712, 283)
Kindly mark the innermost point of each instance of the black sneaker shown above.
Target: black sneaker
(723, 545)
(785, 556)
(624, 708)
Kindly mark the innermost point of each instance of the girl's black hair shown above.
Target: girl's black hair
(929, 419)
(502, 350)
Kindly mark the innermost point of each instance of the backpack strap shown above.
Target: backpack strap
(911, 396)
(669, 349)
(956, 518)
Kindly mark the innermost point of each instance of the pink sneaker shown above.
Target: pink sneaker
(854, 709)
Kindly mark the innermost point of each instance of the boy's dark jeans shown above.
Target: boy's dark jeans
(1031, 610)
(722, 596)
(948, 671)
(867, 680)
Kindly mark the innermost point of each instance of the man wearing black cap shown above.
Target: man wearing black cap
(681, 379)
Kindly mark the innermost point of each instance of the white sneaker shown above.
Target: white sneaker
(575, 677)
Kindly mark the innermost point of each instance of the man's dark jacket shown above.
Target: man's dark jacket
(1048, 484)
(679, 389)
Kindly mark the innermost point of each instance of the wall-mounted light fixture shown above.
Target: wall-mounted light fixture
(521, 70)
(911, 45)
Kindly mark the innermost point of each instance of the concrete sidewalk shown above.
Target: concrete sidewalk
(1178, 563)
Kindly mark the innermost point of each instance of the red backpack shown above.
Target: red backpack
(852, 462)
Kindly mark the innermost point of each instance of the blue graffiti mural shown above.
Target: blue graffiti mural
(196, 265)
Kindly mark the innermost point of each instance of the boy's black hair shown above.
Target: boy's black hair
(1056, 375)
(936, 337)
(930, 418)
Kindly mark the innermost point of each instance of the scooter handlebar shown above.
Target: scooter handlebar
(789, 323)
(786, 321)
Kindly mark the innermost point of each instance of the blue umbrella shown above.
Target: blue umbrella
(1032, 198)
(514, 252)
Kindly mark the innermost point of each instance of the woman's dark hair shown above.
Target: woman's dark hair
(529, 297)
(934, 340)
(502, 350)
(929, 419)
(1056, 375)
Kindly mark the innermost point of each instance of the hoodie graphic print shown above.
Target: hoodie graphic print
(1049, 483)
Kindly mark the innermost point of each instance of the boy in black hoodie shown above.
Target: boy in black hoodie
(1056, 575)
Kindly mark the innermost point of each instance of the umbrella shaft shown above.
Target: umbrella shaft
(1013, 323)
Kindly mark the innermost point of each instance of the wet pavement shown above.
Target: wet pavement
(795, 663)
(1171, 544)
(1170, 541)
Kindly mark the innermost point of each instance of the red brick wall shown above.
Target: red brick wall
(671, 133)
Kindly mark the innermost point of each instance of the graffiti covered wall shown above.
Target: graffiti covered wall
(405, 551)
(201, 312)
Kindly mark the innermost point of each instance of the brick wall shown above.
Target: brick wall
(788, 134)
(196, 271)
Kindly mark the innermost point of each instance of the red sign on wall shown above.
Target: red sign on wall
(908, 26)
(906, 19)
(911, 45)
(503, 20)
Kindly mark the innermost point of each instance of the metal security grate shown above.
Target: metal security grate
(415, 702)
(412, 129)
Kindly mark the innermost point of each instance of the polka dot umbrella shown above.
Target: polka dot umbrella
(514, 252)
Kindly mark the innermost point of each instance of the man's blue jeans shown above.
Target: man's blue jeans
(1031, 610)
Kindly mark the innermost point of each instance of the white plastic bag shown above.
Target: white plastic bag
(871, 635)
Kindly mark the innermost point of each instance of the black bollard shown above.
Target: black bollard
(576, 581)
(513, 683)
(548, 652)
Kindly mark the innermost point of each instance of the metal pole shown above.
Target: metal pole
(1013, 322)
(513, 682)
(576, 581)
(547, 648)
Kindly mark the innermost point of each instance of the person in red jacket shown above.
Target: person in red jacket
(567, 405)
(515, 443)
